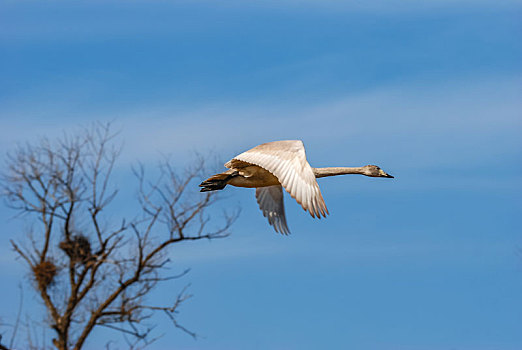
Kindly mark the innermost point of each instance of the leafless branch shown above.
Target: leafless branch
(90, 271)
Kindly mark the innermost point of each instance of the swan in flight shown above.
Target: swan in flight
(273, 165)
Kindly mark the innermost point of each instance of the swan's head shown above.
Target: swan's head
(375, 171)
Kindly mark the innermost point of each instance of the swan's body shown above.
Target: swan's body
(273, 165)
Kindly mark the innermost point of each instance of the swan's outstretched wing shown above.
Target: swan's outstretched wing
(270, 200)
(287, 161)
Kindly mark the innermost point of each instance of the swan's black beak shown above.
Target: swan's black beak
(385, 174)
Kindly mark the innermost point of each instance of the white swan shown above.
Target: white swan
(273, 165)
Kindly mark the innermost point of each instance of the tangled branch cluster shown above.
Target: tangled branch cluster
(106, 269)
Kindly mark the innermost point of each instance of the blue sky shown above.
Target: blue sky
(429, 90)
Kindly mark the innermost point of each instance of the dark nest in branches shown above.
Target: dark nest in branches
(44, 274)
(78, 249)
(60, 181)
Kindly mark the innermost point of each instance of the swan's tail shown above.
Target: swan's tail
(216, 182)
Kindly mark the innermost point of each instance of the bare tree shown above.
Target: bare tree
(89, 270)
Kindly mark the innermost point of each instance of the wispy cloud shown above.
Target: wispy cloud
(380, 6)
(263, 244)
(473, 119)
(88, 19)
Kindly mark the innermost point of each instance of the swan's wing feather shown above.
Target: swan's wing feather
(270, 200)
(287, 161)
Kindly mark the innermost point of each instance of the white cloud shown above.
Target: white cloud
(262, 243)
(433, 124)
(479, 116)
(380, 6)
(111, 19)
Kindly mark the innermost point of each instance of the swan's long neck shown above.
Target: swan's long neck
(322, 172)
